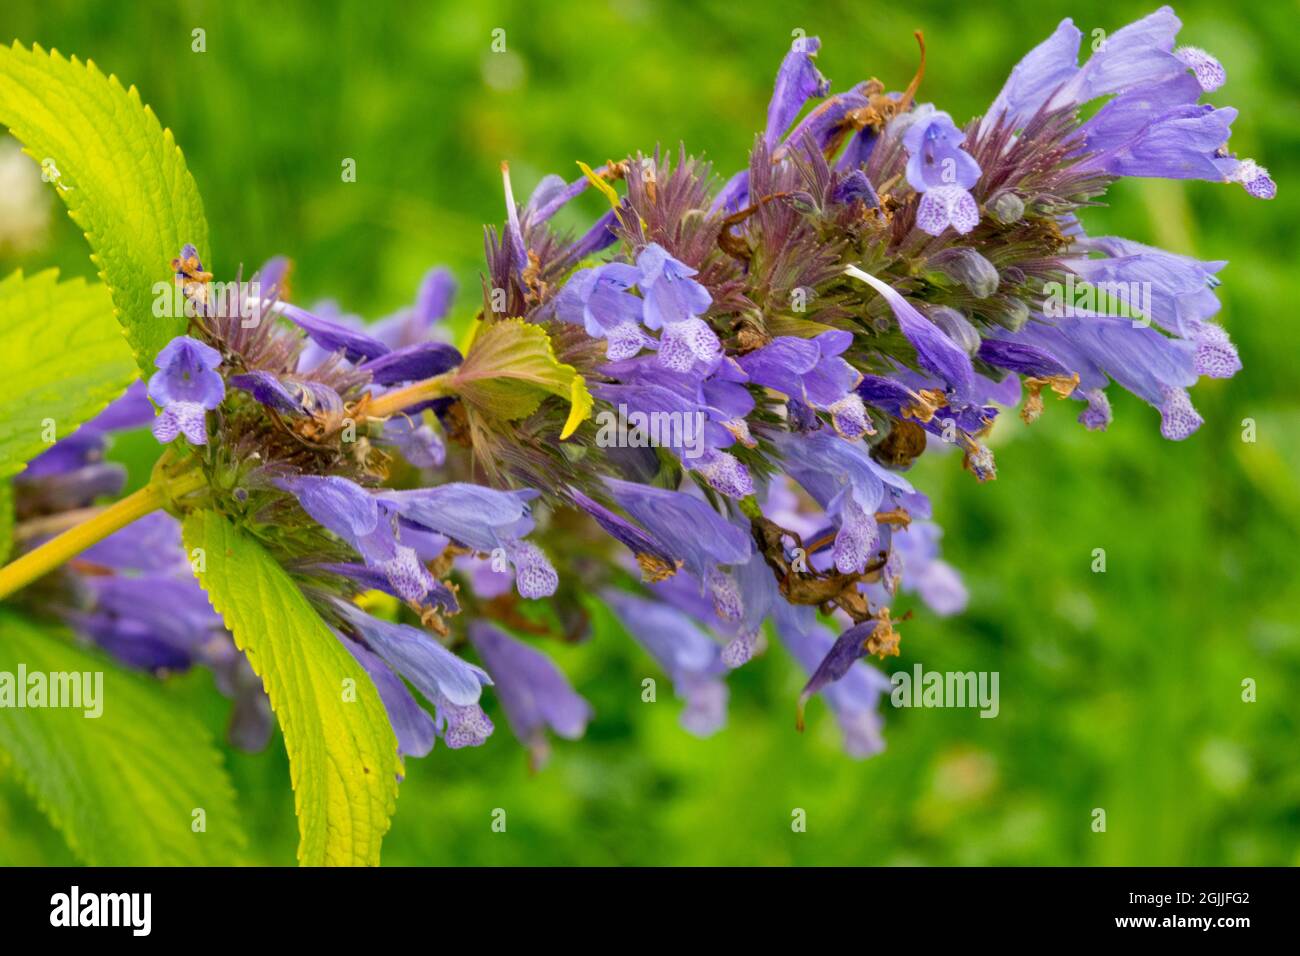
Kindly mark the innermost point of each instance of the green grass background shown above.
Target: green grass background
(1119, 691)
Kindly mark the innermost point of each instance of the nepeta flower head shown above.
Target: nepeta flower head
(187, 386)
(875, 280)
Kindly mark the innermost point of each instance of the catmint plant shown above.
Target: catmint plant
(876, 280)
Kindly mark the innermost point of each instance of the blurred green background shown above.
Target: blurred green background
(1120, 690)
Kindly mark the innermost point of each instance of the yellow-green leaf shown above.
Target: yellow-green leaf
(62, 360)
(125, 788)
(511, 367)
(342, 751)
(120, 173)
(605, 188)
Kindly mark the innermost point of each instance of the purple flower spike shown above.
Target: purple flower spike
(186, 385)
(533, 692)
(942, 172)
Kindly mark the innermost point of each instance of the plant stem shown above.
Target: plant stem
(52, 524)
(392, 402)
(44, 559)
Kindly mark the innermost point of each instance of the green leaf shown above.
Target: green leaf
(342, 751)
(61, 359)
(6, 520)
(123, 787)
(511, 367)
(120, 173)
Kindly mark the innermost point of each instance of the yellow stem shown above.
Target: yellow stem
(44, 559)
(392, 402)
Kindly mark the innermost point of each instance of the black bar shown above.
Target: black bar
(813, 905)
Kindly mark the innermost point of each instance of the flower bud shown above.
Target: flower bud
(1010, 313)
(1006, 208)
(956, 326)
(968, 267)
